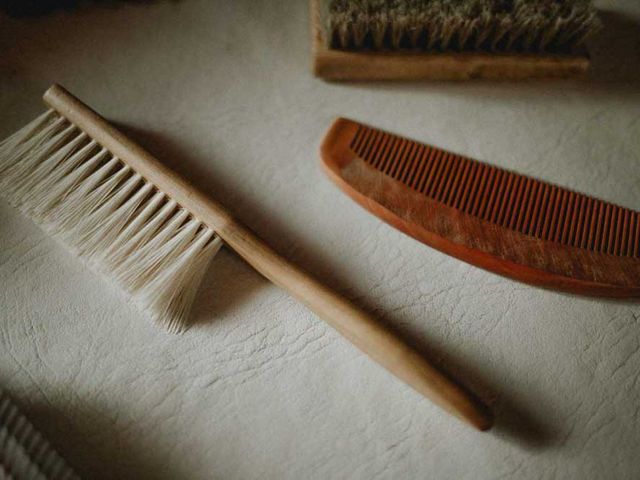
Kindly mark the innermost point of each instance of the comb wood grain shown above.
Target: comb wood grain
(352, 322)
(334, 64)
(507, 223)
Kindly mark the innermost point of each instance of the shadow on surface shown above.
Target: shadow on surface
(37, 8)
(218, 293)
(615, 52)
(229, 282)
(90, 441)
(514, 422)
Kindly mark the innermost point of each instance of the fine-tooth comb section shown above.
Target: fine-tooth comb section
(112, 217)
(513, 201)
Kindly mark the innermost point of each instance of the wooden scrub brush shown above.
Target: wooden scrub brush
(450, 39)
(132, 218)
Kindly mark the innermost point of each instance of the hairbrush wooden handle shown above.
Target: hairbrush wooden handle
(359, 328)
(352, 322)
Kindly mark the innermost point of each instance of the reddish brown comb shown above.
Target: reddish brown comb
(507, 223)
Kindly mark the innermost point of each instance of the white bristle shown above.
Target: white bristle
(108, 215)
(24, 453)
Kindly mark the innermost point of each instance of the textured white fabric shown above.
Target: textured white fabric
(258, 387)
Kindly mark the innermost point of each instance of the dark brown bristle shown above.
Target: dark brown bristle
(516, 202)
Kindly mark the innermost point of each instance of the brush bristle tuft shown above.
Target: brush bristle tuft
(536, 26)
(109, 215)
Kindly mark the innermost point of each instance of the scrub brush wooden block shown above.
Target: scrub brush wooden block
(154, 234)
(450, 39)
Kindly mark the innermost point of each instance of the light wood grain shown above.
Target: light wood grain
(352, 322)
(341, 65)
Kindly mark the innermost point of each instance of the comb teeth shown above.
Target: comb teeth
(513, 201)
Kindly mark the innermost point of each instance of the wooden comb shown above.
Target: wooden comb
(507, 223)
(343, 65)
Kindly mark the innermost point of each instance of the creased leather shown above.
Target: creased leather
(259, 387)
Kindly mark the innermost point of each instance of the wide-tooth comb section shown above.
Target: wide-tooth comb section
(109, 215)
(519, 203)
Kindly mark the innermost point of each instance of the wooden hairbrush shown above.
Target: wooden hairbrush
(507, 223)
(153, 234)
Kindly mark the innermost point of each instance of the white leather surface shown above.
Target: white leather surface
(259, 387)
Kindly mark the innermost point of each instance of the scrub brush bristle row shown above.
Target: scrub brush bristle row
(459, 25)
